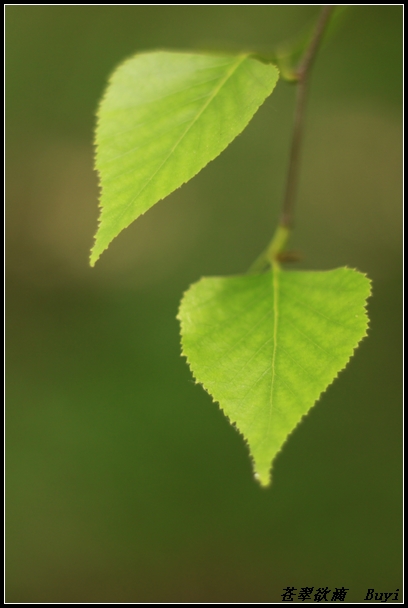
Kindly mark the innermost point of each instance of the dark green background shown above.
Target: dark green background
(125, 482)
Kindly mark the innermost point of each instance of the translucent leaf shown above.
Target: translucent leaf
(266, 346)
(164, 116)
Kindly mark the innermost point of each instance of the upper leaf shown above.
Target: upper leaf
(266, 346)
(164, 116)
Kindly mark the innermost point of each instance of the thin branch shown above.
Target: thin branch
(302, 73)
(271, 255)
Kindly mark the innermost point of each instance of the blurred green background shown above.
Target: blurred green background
(125, 482)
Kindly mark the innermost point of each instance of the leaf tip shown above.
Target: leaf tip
(264, 481)
(93, 259)
(96, 251)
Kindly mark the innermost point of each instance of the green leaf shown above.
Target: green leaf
(164, 116)
(266, 346)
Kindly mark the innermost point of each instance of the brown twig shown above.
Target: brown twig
(302, 74)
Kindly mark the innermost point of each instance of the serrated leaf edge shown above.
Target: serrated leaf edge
(233, 424)
(241, 57)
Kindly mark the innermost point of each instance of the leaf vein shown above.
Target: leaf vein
(205, 106)
(275, 283)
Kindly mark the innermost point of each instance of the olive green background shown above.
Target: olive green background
(125, 483)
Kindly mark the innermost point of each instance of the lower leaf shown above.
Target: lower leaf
(266, 346)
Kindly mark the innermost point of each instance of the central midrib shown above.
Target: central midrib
(275, 293)
(228, 75)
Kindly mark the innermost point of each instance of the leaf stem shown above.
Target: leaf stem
(302, 74)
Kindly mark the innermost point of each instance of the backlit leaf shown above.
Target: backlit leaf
(266, 346)
(164, 116)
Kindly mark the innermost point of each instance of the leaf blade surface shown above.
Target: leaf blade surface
(266, 346)
(164, 116)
